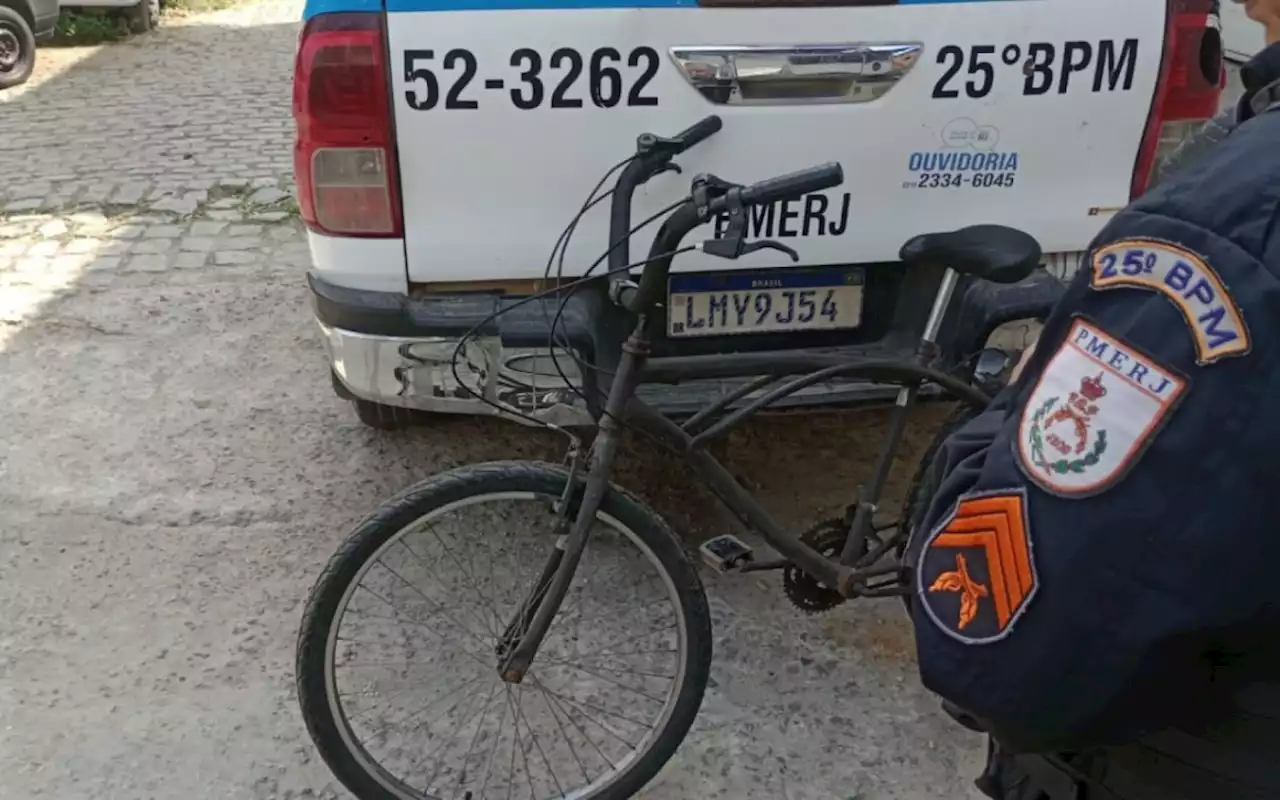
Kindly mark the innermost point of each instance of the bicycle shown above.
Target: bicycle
(522, 651)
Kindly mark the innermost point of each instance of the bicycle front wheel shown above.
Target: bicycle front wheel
(398, 654)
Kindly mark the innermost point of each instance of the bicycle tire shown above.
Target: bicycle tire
(450, 487)
(924, 484)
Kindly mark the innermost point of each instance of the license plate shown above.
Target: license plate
(723, 303)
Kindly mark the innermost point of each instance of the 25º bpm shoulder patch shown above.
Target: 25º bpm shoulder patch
(1189, 283)
(975, 575)
(1096, 407)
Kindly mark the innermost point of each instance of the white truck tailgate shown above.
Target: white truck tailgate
(1027, 113)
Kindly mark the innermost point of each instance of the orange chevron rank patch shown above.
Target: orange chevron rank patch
(975, 575)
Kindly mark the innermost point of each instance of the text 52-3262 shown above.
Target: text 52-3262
(605, 77)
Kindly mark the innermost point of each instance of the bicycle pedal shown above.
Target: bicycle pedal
(726, 552)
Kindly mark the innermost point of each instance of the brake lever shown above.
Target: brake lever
(669, 166)
(735, 248)
(768, 244)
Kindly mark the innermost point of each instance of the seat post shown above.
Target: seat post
(927, 347)
(941, 301)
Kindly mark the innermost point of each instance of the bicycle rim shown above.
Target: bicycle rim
(597, 787)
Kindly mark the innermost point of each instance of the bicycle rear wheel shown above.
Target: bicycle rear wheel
(580, 725)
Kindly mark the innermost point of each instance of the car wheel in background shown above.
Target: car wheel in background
(143, 17)
(378, 416)
(17, 48)
(389, 418)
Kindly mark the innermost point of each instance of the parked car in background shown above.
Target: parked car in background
(140, 15)
(22, 24)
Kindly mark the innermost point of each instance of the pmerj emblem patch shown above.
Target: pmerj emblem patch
(975, 575)
(1187, 281)
(1096, 407)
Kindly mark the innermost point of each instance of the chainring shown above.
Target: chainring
(803, 590)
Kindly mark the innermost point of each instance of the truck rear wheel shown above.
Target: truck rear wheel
(17, 49)
(376, 415)
(388, 418)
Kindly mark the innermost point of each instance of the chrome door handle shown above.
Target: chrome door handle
(747, 75)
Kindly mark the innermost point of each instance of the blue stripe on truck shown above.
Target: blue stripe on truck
(509, 5)
(315, 7)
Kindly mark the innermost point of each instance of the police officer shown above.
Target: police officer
(1098, 573)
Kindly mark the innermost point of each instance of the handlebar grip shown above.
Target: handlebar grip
(697, 132)
(793, 185)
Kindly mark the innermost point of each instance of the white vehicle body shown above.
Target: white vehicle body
(501, 115)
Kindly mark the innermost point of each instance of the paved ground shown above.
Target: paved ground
(174, 469)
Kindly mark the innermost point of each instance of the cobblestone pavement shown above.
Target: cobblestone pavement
(167, 152)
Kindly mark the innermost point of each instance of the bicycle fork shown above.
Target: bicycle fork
(553, 584)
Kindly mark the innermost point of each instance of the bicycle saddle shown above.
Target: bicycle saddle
(991, 252)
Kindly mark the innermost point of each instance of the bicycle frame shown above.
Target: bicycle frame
(850, 573)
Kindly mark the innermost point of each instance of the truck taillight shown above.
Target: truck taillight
(1189, 89)
(344, 154)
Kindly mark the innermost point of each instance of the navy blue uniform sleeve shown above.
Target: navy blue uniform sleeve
(1098, 536)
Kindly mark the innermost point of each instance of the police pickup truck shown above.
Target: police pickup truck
(443, 145)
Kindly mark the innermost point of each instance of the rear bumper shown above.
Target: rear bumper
(45, 14)
(417, 372)
(397, 350)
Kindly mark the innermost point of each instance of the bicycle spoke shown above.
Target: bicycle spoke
(635, 652)
(444, 749)
(462, 773)
(418, 692)
(438, 700)
(524, 759)
(569, 742)
(405, 544)
(577, 706)
(602, 710)
(551, 697)
(413, 622)
(511, 769)
(421, 594)
(648, 632)
(534, 737)
(434, 575)
(637, 672)
(468, 576)
(631, 607)
(497, 739)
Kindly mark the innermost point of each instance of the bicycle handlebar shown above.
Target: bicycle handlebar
(653, 155)
(793, 184)
(697, 133)
(690, 215)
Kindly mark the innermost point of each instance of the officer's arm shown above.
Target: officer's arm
(1099, 531)
(1200, 142)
